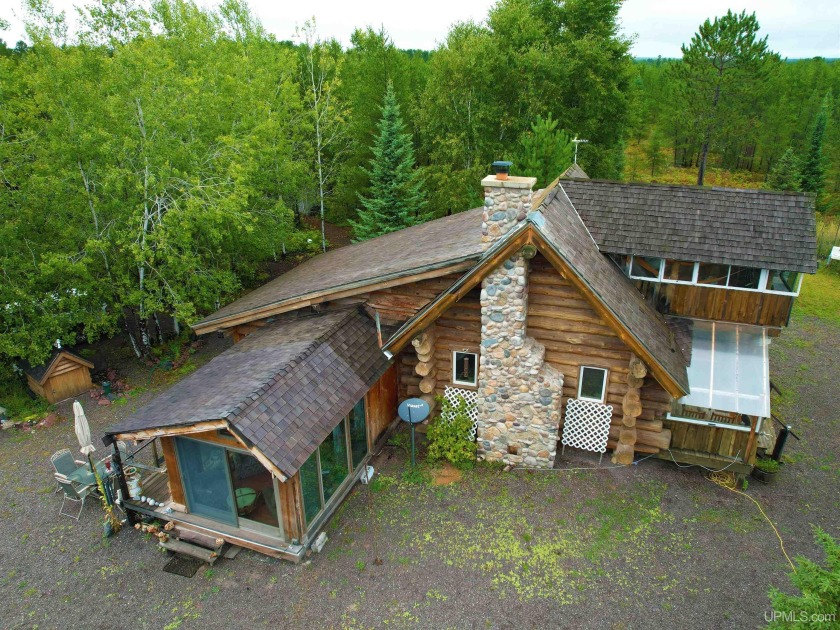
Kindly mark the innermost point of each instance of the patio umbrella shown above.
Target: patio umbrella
(82, 429)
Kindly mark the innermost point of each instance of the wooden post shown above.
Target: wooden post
(631, 406)
(426, 368)
(116, 460)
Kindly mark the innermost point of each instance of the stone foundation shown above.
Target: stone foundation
(519, 395)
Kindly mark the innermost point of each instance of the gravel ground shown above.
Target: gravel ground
(651, 545)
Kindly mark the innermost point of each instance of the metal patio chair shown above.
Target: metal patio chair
(64, 465)
(74, 494)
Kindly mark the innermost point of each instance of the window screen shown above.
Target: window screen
(646, 267)
(744, 277)
(711, 273)
(593, 383)
(465, 368)
(678, 271)
(782, 281)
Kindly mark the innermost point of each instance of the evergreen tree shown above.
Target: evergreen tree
(813, 167)
(546, 151)
(725, 65)
(786, 173)
(395, 198)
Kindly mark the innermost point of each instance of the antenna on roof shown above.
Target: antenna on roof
(577, 141)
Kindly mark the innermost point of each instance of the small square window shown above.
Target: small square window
(592, 384)
(465, 368)
(645, 267)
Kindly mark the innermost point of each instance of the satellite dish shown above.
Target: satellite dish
(413, 410)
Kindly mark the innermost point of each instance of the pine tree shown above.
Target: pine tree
(813, 167)
(786, 173)
(396, 198)
(546, 151)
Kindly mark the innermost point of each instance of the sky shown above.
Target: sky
(796, 28)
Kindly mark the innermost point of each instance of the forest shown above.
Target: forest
(154, 158)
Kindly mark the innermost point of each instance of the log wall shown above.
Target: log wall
(573, 334)
(397, 304)
(744, 307)
(458, 328)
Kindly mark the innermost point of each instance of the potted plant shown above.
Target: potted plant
(765, 470)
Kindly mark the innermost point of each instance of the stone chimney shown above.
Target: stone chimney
(518, 395)
(507, 201)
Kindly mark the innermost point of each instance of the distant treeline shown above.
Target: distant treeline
(154, 159)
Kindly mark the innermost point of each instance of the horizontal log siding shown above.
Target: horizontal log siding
(397, 304)
(744, 307)
(458, 328)
(574, 335)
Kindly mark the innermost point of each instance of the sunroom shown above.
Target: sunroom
(261, 444)
(729, 399)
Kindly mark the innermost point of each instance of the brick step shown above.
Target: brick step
(194, 551)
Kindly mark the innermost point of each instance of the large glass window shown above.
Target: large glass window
(334, 467)
(785, 281)
(204, 474)
(358, 433)
(253, 489)
(744, 277)
(646, 267)
(311, 487)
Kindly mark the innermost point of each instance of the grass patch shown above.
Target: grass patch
(820, 296)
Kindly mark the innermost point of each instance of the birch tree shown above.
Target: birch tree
(321, 66)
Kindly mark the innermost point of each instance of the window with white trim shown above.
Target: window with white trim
(740, 278)
(592, 384)
(465, 368)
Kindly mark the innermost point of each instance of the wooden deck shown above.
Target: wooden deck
(156, 486)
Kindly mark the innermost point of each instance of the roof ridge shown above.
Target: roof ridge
(691, 187)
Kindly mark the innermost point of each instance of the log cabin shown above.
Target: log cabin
(590, 314)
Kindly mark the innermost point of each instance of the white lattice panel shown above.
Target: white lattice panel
(470, 395)
(587, 425)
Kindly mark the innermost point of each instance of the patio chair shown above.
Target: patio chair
(74, 494)
(64, 463)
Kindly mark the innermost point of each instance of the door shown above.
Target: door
(206, 480)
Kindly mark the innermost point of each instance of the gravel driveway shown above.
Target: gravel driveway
(650, 545)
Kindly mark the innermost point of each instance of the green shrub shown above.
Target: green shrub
(818, 605)
(449, 434)
(767, 465)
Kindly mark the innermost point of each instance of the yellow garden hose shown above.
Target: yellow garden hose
(726, 479)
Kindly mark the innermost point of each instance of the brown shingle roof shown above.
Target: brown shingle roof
(755, 228)
(566, 232)
(405, 252)
(282, 388)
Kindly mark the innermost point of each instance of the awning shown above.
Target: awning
(729, 369)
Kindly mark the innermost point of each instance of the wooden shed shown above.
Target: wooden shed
(63, 375)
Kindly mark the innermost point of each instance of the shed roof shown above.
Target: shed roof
(405, 252)
(754, 228)
(282, 388)
(42, 372)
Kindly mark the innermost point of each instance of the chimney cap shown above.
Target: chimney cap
(502, 166)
